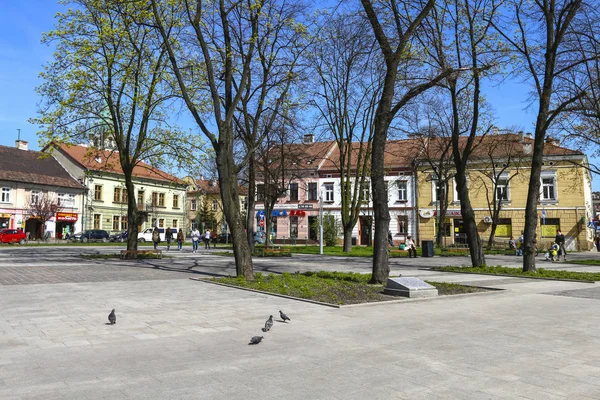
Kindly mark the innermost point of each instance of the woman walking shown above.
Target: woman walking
(155, 238)
(168, 237)
(180, 239)
(195, 238)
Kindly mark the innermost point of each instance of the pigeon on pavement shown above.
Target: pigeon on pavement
(268, 324)
(112, 318)
(284, 317)
(255, 339)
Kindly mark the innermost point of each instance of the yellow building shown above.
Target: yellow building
(499, 171)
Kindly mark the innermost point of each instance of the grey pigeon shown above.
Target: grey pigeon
(256, 339)
(268, 324)
(284, 317)
(112, 318)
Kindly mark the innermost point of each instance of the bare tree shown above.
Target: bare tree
(348, 81)
(43, 208)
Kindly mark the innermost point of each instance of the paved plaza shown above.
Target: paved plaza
(177, 338)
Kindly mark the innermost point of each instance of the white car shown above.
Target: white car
(146, 235)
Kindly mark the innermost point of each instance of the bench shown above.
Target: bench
(274, 252)
(131, 254)
(399, 253)
(454, 251)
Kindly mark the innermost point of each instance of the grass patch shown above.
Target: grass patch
(117, 255)
(540, 273)
(330, 287)
(585, 262)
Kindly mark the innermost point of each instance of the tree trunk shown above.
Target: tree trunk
(228, 184)
(468, 216)
(250, 218)
(348, 228)
(492, 235)
(381, 268)
(132, 212)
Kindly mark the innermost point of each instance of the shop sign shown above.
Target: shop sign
(307, 206)
(67, 217)
(425, 213)
(4, 215)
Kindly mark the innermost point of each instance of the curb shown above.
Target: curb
(510, 276)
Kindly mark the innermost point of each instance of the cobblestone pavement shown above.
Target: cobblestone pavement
(177, 338)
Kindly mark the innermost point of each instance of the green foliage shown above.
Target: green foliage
(540, 273)
(206, 216)
(331, 229)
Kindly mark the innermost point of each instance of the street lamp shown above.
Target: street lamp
(321, 221)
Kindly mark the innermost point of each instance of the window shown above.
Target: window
(175, 201)
(402, 191)
(153, 222)
(215, 205)
(260, 192)
(548, 187)
(245, 203)
(96, 221)
(293, 227)
(117, 197)
(125, 197)
(193, 204)
(312, 191)
(124, 224)
(66, 200)
(328, 192)
(140, 199)
(98, 193)
(293, 191)
(154, 199)
(5, 195)
(115, 223)
(174, 224)
(365, 192)
(161, 223)
(504, 227)
(502, 189)
(161, 199)
(35, 197)
(194, 225)
(402, 224)
(549, 227)
(438, 190)
(455, 191)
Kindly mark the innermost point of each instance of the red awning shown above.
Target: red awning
(297, 213)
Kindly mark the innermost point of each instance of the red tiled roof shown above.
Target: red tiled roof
(108, 161)
(398, 154)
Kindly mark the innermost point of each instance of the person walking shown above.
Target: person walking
(520, 245)
(207, 239)
(168, 237)
(195, 238)
(155, 238)
(560, 241)
(214, 240)
(512, 245)
(180, 239)
(390, 239)
(597, 241)
(410, 246)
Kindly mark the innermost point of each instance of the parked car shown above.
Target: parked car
(260, 238)
(13, 236)
(118, 237)
(94, 235)
(146, 235)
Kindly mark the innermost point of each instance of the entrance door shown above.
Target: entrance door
(312, 232)
(365, 230)
(460, 236)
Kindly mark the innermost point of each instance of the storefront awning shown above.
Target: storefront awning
(274, 213)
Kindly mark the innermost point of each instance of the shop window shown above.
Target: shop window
(115, 225)
(312, 191)
(293, 191)
(504, 228)
(175, 201)
(402, 191)
(293, 227)
(402, 224)
(96, 221)
(98, 192)
(549, 227)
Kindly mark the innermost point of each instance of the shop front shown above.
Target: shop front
(65, 224)
(289, 223)
(5, 221)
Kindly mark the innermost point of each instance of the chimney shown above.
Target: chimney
(21, 144)
(552, 141)
(521, 136)
(528, 135)
(309, 138)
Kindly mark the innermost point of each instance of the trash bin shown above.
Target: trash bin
(427, 248)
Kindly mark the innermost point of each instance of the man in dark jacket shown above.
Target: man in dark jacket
(560, 241)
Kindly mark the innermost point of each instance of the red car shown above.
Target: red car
(12, 236)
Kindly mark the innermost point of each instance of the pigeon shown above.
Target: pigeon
(268, 324)
(284, 317)
(256, 339)
(112, 318)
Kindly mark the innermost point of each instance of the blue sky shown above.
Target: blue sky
(22, 57)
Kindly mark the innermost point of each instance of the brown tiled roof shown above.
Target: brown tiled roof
(398, 154)
(302, 156)
(108, 161)
(31, 167)
(208, 186)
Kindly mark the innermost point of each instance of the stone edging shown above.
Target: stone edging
(510, 276)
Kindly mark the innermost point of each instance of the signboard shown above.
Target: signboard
(425, 213)
(262, 222)
(66, 217)
(4, 215)
(307, 206)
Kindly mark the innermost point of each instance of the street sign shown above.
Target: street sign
(544, 214)
(262, 222)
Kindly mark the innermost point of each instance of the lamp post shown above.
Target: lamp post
(321, 221)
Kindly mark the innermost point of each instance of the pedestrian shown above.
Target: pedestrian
(155, 238)
(214, 240)
(560, 241)
(512, 245)
(207, 239)
(195, 238)
(390, 239)
(520, 245)
(597, 241)
(180, 239)
(410, 245)
(168, 237)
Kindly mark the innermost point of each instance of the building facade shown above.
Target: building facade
(161, 195)
(37, 194)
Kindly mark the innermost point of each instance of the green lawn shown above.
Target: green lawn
(540, 273)
(330, 287)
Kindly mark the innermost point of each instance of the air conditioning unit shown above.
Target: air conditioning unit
(487, 219)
